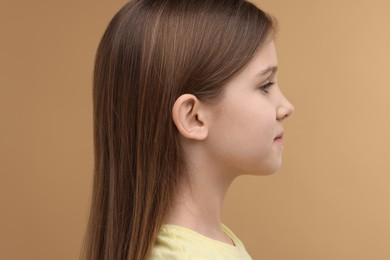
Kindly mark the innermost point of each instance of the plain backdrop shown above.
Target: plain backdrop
(330, 200)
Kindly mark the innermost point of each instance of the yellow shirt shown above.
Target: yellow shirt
(179, 243)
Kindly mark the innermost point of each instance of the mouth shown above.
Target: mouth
(279, 138)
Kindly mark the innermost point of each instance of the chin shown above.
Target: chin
(259, 167)
(268, 173)
(270, 169)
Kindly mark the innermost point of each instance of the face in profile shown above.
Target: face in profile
(247, 134)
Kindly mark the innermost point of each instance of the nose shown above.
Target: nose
(285, 109)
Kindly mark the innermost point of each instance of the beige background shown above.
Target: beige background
(329, 201)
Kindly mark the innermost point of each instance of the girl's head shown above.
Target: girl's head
(153, 53)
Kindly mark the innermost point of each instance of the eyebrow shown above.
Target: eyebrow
(272, 69)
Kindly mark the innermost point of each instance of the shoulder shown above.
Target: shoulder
(175, 242)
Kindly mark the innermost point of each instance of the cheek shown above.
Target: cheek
(244, 139)
(254, 126)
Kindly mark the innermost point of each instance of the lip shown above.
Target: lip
(279, 138)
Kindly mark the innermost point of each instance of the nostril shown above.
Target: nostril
(291, 110)
(284, 114)
(284, 110)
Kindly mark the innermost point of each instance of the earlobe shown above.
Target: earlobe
(188, 116)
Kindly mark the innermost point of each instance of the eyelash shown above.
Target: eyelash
(266, 86)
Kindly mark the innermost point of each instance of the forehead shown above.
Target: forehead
(260, 67)
(264, 60)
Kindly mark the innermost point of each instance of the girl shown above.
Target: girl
(185, 100)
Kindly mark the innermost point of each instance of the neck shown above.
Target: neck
(199, 201)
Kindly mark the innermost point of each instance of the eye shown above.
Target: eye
(266, 86)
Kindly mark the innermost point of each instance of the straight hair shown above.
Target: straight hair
(152, 52)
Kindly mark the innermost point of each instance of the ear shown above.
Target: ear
(189, 117)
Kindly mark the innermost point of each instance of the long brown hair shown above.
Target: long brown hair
(152, 52)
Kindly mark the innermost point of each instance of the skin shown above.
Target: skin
(239, 135)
